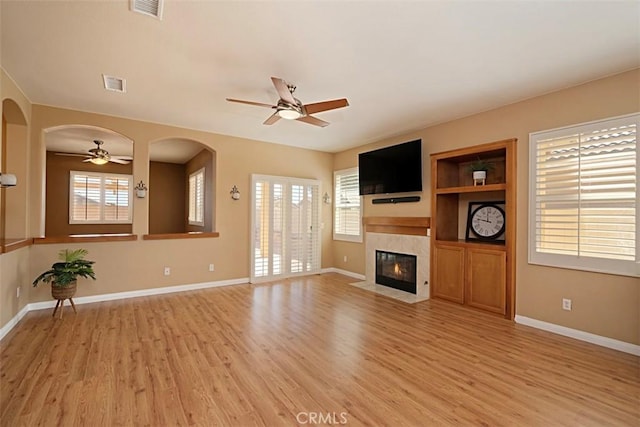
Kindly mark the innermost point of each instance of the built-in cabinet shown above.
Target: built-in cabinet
(479, 274)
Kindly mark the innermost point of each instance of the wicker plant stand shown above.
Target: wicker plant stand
(62, 293)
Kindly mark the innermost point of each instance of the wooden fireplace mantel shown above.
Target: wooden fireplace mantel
(410, 225)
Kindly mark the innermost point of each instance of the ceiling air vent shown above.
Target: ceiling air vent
(147, 7)
(115, 84)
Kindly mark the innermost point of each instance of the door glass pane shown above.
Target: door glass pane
(278, 229)
(261, 230)
(297, 228)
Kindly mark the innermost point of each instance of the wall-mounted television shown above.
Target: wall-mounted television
(395, 169)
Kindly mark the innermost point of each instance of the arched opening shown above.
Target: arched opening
(89, 181)
(13, 203)
(181, 186)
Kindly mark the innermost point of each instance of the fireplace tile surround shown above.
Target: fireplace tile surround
(399, 243)
(401, 235)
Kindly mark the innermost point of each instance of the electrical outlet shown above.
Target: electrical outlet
(18, 292)
(211, 267)
(345, 258)
(167, 271)
(566, 304)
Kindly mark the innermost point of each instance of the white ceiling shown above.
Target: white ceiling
(402, 65)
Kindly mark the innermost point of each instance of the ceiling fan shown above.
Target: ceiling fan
(100, 156)
(291, 108)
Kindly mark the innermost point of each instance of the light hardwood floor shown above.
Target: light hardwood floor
(271, 354)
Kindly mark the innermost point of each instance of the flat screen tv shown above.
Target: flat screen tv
(395, 169)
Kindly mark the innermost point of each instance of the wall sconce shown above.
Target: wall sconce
(235, 193)
(326, 198)
(8, 180)
(141, 190)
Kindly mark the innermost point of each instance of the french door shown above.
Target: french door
(285, 226)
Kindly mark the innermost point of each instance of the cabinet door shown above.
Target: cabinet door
(448, 273)
(487, 279)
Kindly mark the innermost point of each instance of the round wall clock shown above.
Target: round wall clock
(486, 221)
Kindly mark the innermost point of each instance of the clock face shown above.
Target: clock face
(487, 221)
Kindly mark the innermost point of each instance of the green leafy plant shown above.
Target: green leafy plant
(481, 165)
(72, 266)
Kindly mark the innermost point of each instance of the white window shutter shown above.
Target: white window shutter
(584, 196)
(347, 219)
(98, 198)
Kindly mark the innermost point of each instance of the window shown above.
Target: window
(347, 217)
(583, 197)
(196, 198)
(100, 198)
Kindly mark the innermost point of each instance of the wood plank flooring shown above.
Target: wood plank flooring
(304, 351)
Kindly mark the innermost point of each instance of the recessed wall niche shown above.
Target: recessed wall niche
(171, 163)
(67, 149)
(13, 200)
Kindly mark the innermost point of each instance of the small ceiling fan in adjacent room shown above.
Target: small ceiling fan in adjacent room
(100, 156)
(291, 108)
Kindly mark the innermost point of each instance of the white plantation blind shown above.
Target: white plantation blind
(285, 222)
(347, 217)
(196, 197)
(584, 197)
(99, 198)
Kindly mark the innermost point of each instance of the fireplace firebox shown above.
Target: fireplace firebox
(396, 270)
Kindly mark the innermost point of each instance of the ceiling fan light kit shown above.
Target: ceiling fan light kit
(99, 161)
(290, 108)
(100, 156)
(289, 114)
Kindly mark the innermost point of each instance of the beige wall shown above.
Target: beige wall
(57, 196)
(14, 274)
(166, 198)
(126, 266)
(603, 304)
(16, 152)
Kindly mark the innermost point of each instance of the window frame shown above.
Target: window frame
(102, 176)
(195, 222)
(342, 236)
(581, 262)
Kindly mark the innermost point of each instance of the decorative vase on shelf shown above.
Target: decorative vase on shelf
(479, 177)
(479, 169)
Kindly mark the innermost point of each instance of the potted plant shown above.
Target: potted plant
(63, 275)
(479, 168)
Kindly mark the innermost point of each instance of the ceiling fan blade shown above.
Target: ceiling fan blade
(72, 155)
(119, 161)
(122, 157)
(283, 90)
(313, 121)
(317, 107)
(272, 119)
(259, 104)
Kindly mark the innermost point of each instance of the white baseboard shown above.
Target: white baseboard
(141, 293)
(118, 295)
(343, 272)
(13, 322)
(580, 335)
